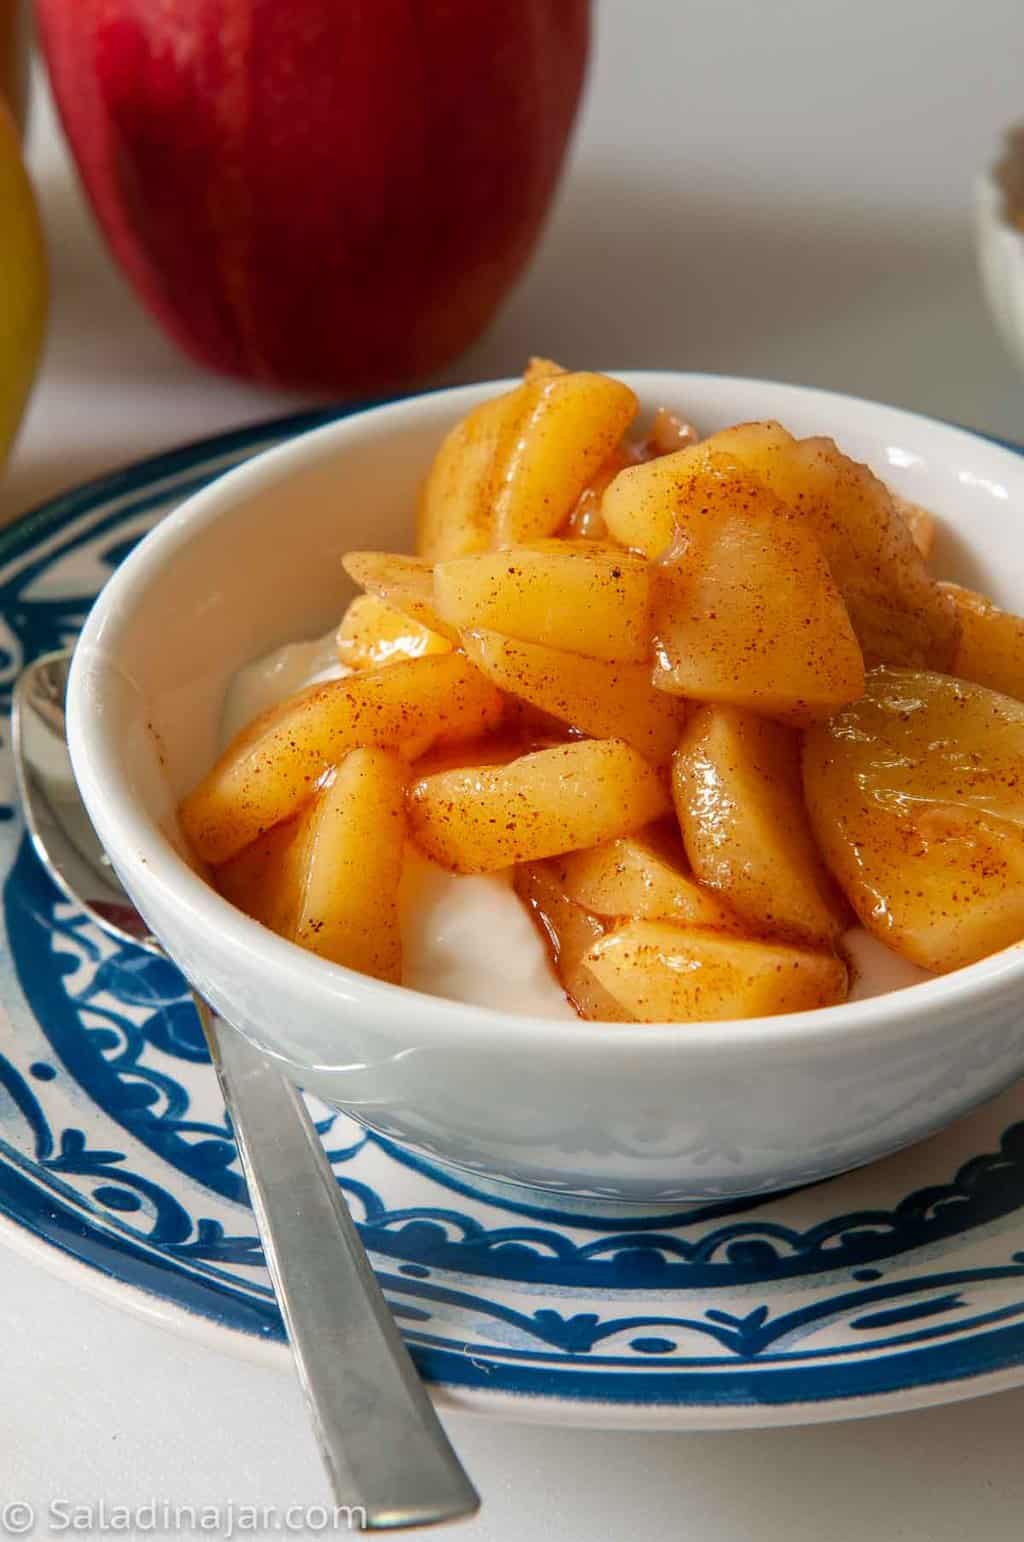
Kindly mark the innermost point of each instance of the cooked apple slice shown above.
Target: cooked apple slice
(569, 425)
(273, 766)
(494, 749)
(260, 879)
(916, 795)
(373, 633)
(455, 508)
(347, 858)
(568, 931)
(757, 444)
(483, 818)
(596, 697)
(329, 878)
(745, 608)
(918, 521)
(663, 973)
(899, 615)
(404, 583)
(534, 729)
(585, 521)
(640, 504)
(645, 876)
(669, 432)
(738, 798)
(575, 595)
(991, 649)
(538, 368)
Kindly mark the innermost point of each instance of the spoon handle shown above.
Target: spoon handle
(385, 1450)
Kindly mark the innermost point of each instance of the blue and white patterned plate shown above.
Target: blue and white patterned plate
(899, 1285)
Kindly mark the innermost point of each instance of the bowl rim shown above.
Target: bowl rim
(140, 847)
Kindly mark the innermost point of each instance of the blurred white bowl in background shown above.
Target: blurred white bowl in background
(1001, 258)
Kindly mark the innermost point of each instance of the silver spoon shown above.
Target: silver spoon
(386, 1454)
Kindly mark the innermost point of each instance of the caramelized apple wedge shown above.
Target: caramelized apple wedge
(404, 583)
(918, 521)
(594, 696)
(662, 973)
(916, 795)
(669, 432)
(373, 633)
(745, 609)
(738, 797)
(328, 880)
(991, 649)
(539, 368)
(568, 931)
(455, 508)
(260, 879)
(273, 767)
(347, 857)
(645, 876)
(899, 615)
(482, 818)
(585, 521)
(568, 427)
(579, 596)
(639, 504)
(761, 445)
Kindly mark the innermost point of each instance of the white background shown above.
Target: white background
(779, 189)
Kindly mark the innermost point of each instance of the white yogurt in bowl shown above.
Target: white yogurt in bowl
(470, 938)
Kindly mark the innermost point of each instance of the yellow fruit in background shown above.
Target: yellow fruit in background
(23, 283)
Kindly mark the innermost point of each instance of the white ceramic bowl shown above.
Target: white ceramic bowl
(645, 1112)
(1000, 248)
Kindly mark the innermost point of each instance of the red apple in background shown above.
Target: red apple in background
(325, 193)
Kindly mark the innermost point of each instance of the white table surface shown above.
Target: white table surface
(778, 190)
